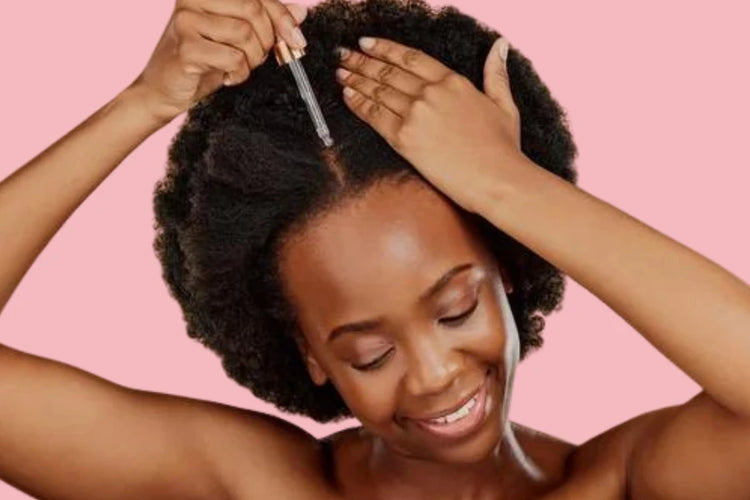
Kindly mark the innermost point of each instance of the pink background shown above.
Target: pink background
(655, 94)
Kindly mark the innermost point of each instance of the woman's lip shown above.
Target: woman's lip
(448, 412)
(464, 426)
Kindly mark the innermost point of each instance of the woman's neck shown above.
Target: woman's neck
(506, 471)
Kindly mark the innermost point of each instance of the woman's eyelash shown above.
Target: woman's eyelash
(450, 321)
(373, 364)
(460, 318)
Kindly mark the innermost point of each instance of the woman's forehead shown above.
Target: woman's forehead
(395, 239)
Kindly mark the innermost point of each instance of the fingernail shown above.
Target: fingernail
(300, 9)
(342, 52)
(298, 37)
(504, 46)
(366, 42)
(342, 73)
(227, 79)
(348, 91)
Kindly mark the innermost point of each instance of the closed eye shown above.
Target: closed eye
(375, 364)
(452, 321)
(460, 318)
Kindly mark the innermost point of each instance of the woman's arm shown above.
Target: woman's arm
(692, 310)
(65, 433)
(204, 45)
(689, 308)
(39, 197)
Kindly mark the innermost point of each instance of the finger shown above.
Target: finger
(199, 55)
(299, 12)
(229, 31)
(407, 58)
(383, 72)
(496, 82)
(393, 99)
(250, 11)
(264, 31)
(379, 117)
(284, 23)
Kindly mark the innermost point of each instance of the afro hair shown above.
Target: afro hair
(247, 168)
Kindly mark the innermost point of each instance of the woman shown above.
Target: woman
(371, 241)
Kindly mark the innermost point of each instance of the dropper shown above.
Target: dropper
(286, 55)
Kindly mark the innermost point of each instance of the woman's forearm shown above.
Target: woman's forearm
(691, 309)
(40, 196)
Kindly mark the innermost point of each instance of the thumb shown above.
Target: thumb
(299, 12)
(496, 82)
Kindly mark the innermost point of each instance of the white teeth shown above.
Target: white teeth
(458, 414)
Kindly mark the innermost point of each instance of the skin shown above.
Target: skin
(388, 248)
(689, 308)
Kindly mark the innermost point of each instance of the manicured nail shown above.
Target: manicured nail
(343, 73)
(298, 37)
(299, 11)
(348, 91)
(343, 52)
(366, 42)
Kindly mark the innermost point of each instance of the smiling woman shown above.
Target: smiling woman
(397, 277)
(430, 337)
(247, 162)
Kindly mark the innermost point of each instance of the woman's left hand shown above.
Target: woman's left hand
(456, 136)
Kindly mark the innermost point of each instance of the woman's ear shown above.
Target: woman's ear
(317, 374)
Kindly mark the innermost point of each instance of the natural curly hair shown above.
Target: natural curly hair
(247, 169)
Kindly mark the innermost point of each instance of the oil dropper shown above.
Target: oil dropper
(286, 55)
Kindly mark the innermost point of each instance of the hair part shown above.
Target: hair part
(246, 170)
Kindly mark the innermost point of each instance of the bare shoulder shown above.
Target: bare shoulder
(256, 455)
(548, 452)
(593, 470)
(599, 467)
(697, 449)
(118, 442)
(347, 450)
(700, 449)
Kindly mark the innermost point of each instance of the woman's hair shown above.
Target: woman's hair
(246, 170)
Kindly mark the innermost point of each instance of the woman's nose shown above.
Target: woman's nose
(432, 367)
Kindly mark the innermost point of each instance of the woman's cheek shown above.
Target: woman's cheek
(491, 337)
(371, 396)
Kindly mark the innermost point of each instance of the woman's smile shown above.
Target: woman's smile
(464, 421)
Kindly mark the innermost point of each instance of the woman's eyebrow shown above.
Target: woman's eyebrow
(370, 324)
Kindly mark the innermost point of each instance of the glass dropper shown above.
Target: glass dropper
(286, 55)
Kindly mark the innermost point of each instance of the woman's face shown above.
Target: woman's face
(399, 304)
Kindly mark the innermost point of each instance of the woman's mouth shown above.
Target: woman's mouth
(464, 421)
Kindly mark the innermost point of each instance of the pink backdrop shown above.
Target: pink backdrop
(656, 97)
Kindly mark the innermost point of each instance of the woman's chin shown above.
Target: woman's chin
(467, 442)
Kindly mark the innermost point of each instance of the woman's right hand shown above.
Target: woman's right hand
(210, 43)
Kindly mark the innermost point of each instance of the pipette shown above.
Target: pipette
(286, 55)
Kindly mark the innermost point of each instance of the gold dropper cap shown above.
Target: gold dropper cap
(284, 54)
